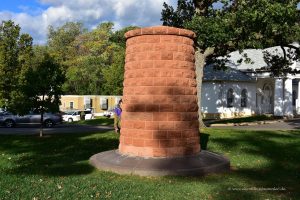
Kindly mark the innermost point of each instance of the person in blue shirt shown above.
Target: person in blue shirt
(117, 117)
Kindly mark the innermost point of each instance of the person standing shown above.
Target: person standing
(117, 117)
(82, 115)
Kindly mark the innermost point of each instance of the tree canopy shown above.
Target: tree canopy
(93, 60)
(74, 61)
(15, 60)
(29, 77)
(238, 25)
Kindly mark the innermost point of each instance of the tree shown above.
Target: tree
(44, 87)
(238, 25)
(60, 39)
(91, 52)
(113, 75)
(28, 79)
(96, 61)
(15, 60)
(17, 103)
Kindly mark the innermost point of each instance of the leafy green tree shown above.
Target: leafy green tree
(9, 36)
(15, 60)
(28, 80)
(18, 99)
(96, 63)
(113, 75)
(238, 25)
(91, 52)
(93, 60)
(60, 39)
(44, 86)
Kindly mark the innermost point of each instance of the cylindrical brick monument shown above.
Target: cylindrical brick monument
(160, 111)
(159, 123)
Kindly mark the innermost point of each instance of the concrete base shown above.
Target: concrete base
(198, 165)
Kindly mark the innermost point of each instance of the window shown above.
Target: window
(230, 98)
(71, 105)
(104, 104)
(244, 97)
(91, 103)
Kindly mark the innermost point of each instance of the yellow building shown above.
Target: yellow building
(98, 103)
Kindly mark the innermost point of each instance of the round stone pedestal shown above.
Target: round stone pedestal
(200, 164)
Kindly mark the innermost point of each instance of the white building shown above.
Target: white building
(244, 89)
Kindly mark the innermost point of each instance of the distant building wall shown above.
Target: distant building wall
(214, 99)
(99, 103)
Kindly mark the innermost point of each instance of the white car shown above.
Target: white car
(73, 116)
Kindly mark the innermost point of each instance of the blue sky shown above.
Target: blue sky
(35, 16)
(21, 5)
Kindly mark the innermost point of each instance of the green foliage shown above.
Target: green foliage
(9, 36)
(92, 61)
(91, 52)
(113, 75)
(241, 24)
(95, 61)
(60, 38)
(184, 12)
(15, 60)
(44, 86)
(27, 80)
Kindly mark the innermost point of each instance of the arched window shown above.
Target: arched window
(230, 98)
(244, 98)
(294, 97)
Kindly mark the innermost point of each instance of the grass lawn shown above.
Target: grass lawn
(99, 121)
(56, 167)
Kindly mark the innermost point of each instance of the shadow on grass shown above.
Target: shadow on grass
(243, 119)
(269, 161)
(264, 165)
(56, 155)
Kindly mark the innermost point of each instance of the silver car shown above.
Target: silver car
(9, 120)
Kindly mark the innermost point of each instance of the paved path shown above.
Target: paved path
(63, 128)
(293, 124)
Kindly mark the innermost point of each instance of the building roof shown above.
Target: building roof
(256, 56)
(235, 69)
(229, 74)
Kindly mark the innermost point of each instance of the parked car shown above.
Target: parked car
(9, 120)
(72, 116)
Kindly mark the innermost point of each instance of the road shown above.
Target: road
(63, 128)
(72, 128)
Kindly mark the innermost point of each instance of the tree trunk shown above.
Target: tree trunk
(42, 118)
(200, 61)
(41, 125)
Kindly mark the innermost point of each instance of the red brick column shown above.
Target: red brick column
(160, 111)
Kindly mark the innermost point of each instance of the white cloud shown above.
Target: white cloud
(90, 12)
